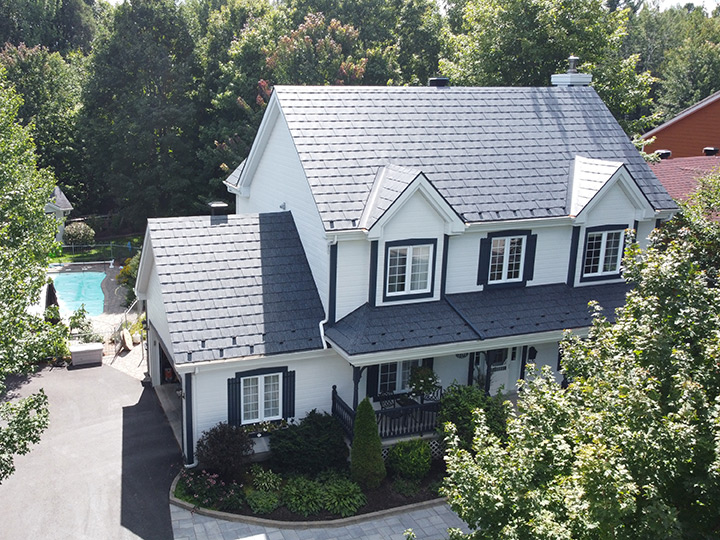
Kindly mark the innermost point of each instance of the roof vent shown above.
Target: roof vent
(439, 82)
(571, 77)
(217, 206)
(663, 154)
(711, 150)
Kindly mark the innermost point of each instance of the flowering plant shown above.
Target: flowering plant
(423, 380)
(261, 428)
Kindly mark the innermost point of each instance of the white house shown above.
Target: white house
(379, 229)
(60, 207)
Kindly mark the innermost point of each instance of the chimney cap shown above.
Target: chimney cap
(663, 154)
(711, 150)
(439, 82)
(572, 63)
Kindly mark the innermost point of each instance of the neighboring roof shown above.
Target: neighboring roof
(240, 283)
(683, 114)
(679, 175)
(60, 201)
(492, 153)
(492, 313)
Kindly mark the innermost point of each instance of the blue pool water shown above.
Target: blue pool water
(77, 288)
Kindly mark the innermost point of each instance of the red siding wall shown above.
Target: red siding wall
(688, 136)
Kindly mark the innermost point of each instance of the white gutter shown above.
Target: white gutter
(322, 323)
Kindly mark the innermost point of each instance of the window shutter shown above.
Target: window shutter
(289, 395)
(428, 362)
(373, 374)
(234, 418)
(484, 264)
(530, 257)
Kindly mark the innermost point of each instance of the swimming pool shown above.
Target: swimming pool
(77, 288)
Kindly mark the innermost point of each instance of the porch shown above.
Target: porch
(401, 418)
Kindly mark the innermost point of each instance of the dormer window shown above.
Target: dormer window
(409, 269)
(603, 252)
(507, 258)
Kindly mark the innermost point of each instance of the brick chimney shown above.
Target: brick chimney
(572, 77)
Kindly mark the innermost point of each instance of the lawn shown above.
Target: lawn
(103, 250)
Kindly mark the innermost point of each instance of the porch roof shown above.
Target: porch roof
(459, 318)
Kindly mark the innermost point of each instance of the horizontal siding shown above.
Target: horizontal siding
(352, 276)
(158, 318)
(313, 387)
(280, 180)
(644, 230)
(463, 259)
(614, 207)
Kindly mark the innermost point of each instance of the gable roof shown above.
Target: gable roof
(390, 182)
(475, 316)
(235, 286)
(59, 200)
(679, 175)
(589, 176)
(492, 153)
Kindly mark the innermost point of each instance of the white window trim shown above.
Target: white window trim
(261, 398)
(398, 375)
(506, 260)
(408, 270)
(603, 246)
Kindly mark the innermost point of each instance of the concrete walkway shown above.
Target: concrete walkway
(427, 523)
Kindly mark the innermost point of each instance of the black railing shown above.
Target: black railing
(417, 419)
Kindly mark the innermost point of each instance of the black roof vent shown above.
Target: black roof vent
(711, 150)
(663, 154)
(438, 82)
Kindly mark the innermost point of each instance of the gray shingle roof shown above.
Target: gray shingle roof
(60, 200)
(492, 153)
(492, 313)
(235, 286)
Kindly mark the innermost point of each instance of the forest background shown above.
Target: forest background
(143, 108)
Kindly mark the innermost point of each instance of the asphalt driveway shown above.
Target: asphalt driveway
(102, 469)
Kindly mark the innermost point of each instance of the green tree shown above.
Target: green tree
(367, 467)
(140, 117)
(630, 448)
(26, 238)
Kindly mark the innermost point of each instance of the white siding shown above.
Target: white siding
(643, 231)
(353, 271)
(416, 219)
(552, 255)
(463, 260)
(547, 355)
(280, 180)
(451, 369)
(613, 208)
(314, 379)
(158, 318)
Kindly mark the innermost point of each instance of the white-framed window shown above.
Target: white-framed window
(409, 269)
(261, 398)
(506, 259)
(603, 253)
(395, 376)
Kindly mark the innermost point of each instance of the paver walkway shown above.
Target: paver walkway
(427, 523)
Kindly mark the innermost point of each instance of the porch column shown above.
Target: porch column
(357, 375)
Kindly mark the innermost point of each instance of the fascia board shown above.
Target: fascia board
(238, 362)
(453, 223)
(534, 223)
(399, 355)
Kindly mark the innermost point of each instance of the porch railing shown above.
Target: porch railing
(416, 419)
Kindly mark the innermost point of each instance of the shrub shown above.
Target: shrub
(303, 496)
(225, 449)
(315, 444)
(78, 233)
(406, 487)
(128, 276)
(81, 327)
(410, 459)
(342, 496)
(265, 479)
(366, 462)
(207, 490)
(263, 502)
(457, 405)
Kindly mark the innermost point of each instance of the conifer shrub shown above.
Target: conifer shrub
(315, 444)
(225, 449)
(367, 467)
(410, 459)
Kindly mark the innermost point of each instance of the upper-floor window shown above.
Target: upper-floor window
(603, 253)
(409, 269)
(507, 258)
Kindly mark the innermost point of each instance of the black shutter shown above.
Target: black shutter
(427, 362)
(373, 375)
(484, 264)
(530, 257)
(234, 402)
(289, 395)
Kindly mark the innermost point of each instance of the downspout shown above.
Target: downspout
(322, 323)
(189, 424)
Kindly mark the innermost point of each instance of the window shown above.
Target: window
(395, 376)
(409, 269)
(506, 259)
(261, 398)
(603, 252)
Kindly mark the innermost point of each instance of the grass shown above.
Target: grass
(104, 250)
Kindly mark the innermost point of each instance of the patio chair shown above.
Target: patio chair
(433, 395)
